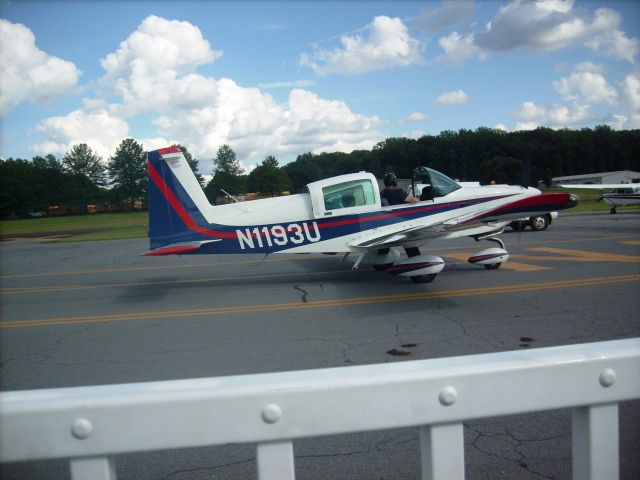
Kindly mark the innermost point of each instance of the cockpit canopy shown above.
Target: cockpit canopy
(344, 194)
(441, 185)
(358, 192)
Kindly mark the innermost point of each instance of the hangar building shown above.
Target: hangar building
(621, 176)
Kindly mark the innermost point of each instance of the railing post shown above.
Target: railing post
(275, 461)
(442, 452)
(95, 468)
(595, 442)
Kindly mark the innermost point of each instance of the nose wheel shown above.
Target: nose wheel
(492, 266)
(490, 258)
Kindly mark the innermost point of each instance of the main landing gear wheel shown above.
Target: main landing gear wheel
(517, 225)
(424, 278)
(428, 278)
(539, 223)
(490, 258)
(382, 268)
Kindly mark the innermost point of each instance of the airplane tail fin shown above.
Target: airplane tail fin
(176, 204)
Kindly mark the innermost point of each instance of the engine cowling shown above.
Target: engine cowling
(418, 265)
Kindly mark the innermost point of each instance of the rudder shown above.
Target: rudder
(176, 199)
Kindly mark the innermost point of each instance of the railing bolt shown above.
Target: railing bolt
(81, 428)
(271, 413)
(448, 396)
(607, 377)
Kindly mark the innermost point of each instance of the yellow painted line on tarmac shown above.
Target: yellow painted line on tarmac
(586, 256)
(632, 242)
(509, 265)
(329, 303)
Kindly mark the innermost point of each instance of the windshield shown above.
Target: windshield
(442, 185)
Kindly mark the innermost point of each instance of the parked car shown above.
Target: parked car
(537, 223)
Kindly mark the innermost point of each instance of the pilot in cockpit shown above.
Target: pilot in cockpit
(427, 193)
(394, 195)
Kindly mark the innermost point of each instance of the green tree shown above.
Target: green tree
(127, 169)
(16, 177)
(227, 175)
(501, 170)
(303, 171)
(48, 162)
(81, 160)
(226, 162)
(268, 178)
(193, 163)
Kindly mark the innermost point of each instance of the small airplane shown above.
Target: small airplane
(342, 214)
(621, 194)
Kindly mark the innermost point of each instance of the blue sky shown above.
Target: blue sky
(285, 78)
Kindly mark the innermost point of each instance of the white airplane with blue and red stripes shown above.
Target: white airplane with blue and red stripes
(342, 214)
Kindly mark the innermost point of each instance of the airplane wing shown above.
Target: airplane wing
(491, 217)
(598, 186)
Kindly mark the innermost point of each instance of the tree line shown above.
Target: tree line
(485, 155)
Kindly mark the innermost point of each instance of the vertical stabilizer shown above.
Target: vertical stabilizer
(177, 203)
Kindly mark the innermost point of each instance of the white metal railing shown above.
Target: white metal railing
(90, 424)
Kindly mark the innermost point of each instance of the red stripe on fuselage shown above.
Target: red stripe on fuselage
(399, 212)
(534, 201)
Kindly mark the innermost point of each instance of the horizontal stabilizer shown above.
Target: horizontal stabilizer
(178, 249)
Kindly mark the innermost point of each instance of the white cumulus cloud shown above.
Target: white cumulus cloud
(152, 69)
(97, 128)
(414, 117)
(631, 91)
(586, 87)
(458, 48)
(532, 115)
(612, 42)
(387, 44)
(545, 25)
(154, 74)
(456, 97)
(26, 72)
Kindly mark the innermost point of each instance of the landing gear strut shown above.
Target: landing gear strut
(494, 239)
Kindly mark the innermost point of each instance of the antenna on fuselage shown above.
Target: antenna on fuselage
(229, 195)
(241, 207)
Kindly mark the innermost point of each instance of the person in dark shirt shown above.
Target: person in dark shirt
(393, 194)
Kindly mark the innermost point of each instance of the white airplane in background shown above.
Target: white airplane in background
(342, 214)
(621, 194)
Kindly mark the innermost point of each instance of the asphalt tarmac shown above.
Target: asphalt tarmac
(94, 313)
